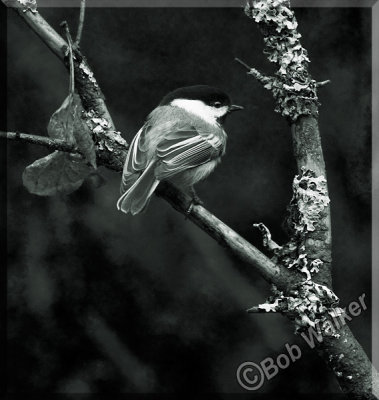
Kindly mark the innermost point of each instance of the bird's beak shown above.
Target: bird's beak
(234, 107)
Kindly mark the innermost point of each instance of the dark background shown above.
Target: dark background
(100, 301)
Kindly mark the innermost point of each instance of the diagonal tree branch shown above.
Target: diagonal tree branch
(112, 151)
(228, 238)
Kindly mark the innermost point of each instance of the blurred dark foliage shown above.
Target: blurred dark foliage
(101, 302)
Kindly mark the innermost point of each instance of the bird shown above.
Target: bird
(181, 141)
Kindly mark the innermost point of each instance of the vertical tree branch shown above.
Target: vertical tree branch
(296, 95)
(309, 221)
(309, 156)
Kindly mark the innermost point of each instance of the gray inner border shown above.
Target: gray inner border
(374, 4)
(199, 3)
(375, 185)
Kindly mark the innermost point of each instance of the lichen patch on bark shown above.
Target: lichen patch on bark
(293, 88)
(308, 304)
(309, 199)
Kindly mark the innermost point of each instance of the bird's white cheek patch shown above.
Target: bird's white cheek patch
(221, 111)
(198, 108)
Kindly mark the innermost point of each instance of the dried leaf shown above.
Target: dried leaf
(56, 173)
(67, 124)
(82, 133)
(61, 124)
(61, 172)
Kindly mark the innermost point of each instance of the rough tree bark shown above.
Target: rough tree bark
(309, 221)
(310, 239)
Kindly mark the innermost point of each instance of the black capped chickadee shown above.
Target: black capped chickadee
(181, 141)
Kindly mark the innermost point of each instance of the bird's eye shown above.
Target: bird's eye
(217, 104)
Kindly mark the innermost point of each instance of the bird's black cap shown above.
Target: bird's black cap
(208, 94)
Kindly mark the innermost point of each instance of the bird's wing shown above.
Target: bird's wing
(174, 142)
(137, 158)
(187, 147)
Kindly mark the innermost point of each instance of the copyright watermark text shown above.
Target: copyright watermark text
(252, 376)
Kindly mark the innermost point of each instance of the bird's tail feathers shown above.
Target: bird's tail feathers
(137, 197)
(128, 179)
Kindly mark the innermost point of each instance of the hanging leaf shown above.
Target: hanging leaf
(61, 124)
(83, 134)
(61, 172)
(67, 124)
(56, 173)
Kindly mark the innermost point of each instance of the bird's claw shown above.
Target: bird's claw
(195, 201)
(189, 209)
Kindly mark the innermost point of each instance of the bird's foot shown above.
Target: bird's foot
(195, 198)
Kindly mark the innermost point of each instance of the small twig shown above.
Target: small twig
(263, 79)
(256, 310)
(267, 241)
(323, 83)
(243, 63)
(260, 310)
(81, 23)
(52, 144)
